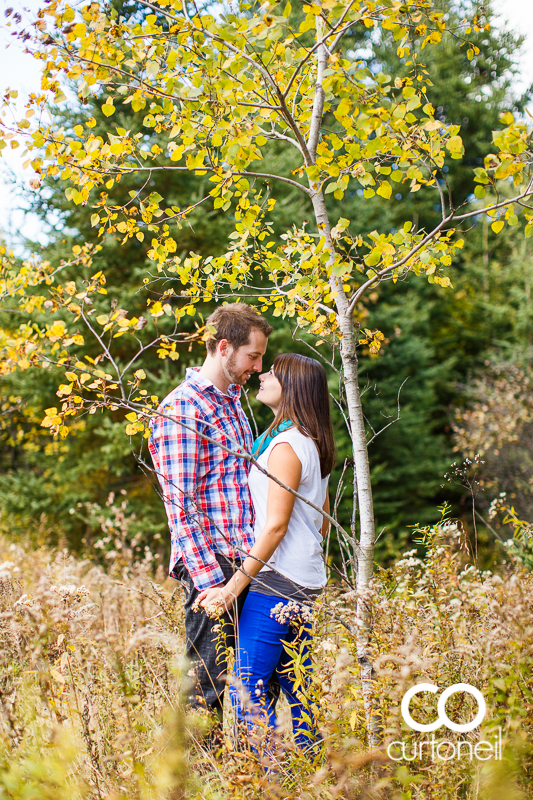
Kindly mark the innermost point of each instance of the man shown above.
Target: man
(205, 488)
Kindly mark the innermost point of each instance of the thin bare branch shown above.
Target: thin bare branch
(398, 417)
(450, 218)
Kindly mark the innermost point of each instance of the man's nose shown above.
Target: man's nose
(258, 365)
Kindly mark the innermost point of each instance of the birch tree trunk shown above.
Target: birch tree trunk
(365, 559)
(348, 349)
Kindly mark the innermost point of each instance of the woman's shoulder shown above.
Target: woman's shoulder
(301, 444)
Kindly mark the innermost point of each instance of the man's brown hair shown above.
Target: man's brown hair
(233, 322)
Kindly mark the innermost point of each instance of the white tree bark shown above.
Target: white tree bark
(348, 349)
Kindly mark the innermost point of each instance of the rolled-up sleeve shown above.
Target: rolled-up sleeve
(176, 450)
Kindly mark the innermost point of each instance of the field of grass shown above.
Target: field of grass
(92, 684)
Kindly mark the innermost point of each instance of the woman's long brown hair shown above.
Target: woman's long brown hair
(305, 401)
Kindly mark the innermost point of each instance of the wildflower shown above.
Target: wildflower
(26, 600)
(71, 592)
(6, 567)
(292, 613)
(215, 609)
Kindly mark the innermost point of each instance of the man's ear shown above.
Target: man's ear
(224, 347)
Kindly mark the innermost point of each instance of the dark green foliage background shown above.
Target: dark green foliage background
(435, 338)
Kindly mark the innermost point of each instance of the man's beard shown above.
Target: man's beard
(231, 369)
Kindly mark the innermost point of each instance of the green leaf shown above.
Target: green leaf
(152, 68)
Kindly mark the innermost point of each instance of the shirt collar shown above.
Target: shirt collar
(192, 376)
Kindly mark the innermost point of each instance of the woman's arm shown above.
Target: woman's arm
(325, 522)
(285, 465)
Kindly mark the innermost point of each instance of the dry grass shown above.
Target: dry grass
(90, 684)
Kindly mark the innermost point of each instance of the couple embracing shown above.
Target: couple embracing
(239, 539)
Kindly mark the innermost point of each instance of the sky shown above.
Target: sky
(20, 71)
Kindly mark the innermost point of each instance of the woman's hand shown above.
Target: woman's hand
(215, 601)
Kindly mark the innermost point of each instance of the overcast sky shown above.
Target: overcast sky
(20, 71)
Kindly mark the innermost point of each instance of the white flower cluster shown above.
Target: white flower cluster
(497, 504)
(71, 592)
(327, 646)
(6, 568)
(26, 600)
(292, 613)
(215, 609)
(409, 560)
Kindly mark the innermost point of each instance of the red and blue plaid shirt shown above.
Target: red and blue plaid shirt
(205, 488)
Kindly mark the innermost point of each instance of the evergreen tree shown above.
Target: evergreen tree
(429, 339)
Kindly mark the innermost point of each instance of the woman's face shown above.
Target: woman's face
(270, 391)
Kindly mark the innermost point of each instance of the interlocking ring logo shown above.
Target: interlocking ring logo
(442, 718)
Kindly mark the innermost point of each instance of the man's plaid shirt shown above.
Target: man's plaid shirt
(205, 489)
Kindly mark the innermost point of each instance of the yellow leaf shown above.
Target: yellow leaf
(132, 416)
(140, 235)
(140, 374)
(108, 109)
(103, 319)
(131, 430)
(57, 675)
(455, 144)
(498, 225)
(157, 310)
(385, 190)
(57, 330)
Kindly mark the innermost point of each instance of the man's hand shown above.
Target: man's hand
(215, 601)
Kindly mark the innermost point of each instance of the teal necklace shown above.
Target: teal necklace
(263, 441)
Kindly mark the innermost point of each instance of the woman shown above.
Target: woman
(285, 565)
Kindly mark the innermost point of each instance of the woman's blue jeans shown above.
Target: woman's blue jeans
(259, 652)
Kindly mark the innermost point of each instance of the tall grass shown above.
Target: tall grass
(91, 675)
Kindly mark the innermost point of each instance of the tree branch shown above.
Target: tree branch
(398, 417)
(131, 170)
(450, 218)
(240, 453)
(318, 101)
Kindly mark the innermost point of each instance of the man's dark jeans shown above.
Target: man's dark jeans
(210, 662)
